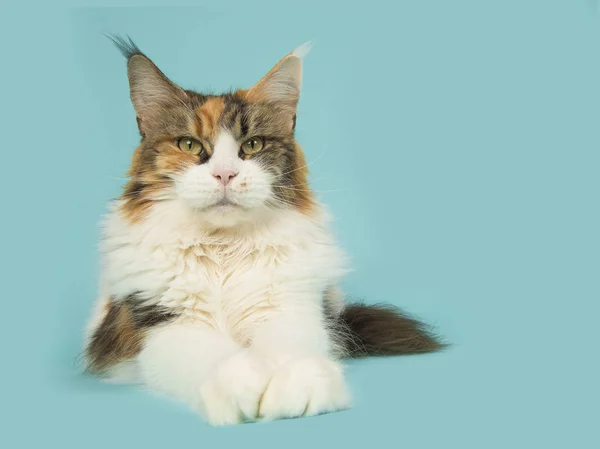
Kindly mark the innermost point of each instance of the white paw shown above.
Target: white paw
(232, 393)
(305, 387)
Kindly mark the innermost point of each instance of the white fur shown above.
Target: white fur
(249, 299)
(226, 150)
(305, 386)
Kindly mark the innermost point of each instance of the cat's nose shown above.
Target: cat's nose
(224, 176)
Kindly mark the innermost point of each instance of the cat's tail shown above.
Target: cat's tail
(382, 330)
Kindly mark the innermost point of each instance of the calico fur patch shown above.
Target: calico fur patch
(120, 335)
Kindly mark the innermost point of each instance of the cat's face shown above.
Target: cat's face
(231, 158)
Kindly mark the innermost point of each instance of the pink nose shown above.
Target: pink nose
(224, 175)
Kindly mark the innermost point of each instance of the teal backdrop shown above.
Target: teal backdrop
(455, 142)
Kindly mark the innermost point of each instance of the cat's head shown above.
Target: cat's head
(231, 158)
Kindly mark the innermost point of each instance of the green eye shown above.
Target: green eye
(190, 146)
(252, 145)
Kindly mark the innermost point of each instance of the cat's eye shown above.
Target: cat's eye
(252, 145)
(189, 145)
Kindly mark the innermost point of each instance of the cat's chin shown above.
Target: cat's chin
(229, 215)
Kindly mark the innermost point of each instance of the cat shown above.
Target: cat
(220, 280)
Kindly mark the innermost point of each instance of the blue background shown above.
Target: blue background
(456, 143)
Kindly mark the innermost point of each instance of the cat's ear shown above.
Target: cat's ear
(282, 83)
(150, 90)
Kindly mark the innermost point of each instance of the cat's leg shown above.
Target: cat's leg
(206, 369)
(307, 378)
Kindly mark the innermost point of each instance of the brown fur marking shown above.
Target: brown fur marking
(209, 115)
(120, 335)
(149, 172)
(115, 340)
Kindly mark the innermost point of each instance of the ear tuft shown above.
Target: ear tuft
(126, 46)
(303, 49)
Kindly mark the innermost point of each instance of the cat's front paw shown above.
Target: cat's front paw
(232, 393)
(304, 387)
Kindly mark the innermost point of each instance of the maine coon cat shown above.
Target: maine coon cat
(220, 275)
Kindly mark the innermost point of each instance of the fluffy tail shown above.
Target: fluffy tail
(383, 330)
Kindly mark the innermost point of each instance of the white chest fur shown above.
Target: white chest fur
(229, 281)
